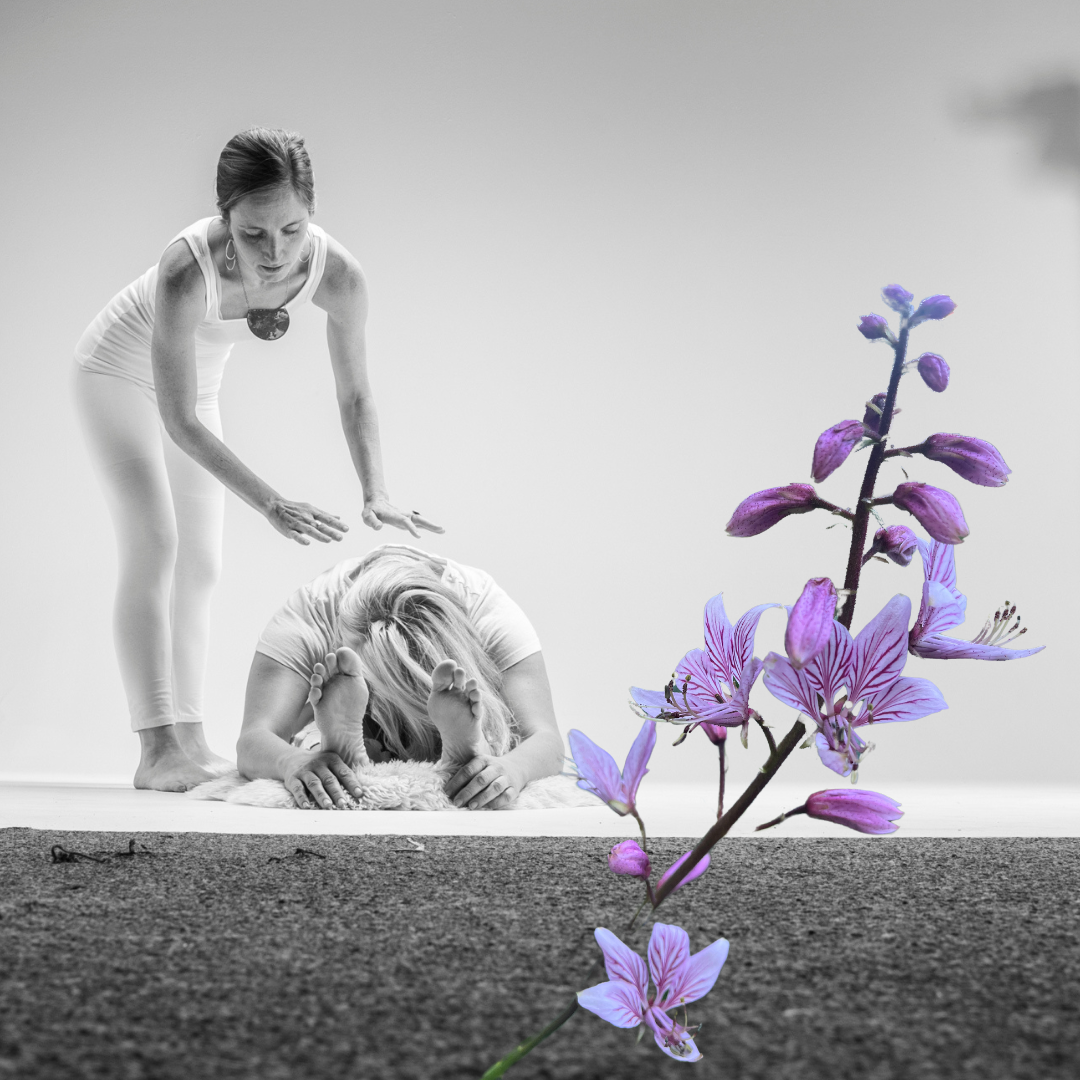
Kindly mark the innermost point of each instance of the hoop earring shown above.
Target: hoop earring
(311, 245)
(230, 260)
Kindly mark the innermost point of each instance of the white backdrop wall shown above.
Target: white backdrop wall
(616, 254)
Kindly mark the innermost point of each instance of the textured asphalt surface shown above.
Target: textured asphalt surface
(209, 956)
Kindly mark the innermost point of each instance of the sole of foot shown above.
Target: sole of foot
(454, 709)
(339, 695)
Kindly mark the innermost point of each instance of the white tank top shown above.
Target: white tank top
(117, 342)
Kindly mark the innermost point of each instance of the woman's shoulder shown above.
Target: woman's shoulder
(343, 276)
(178, 268)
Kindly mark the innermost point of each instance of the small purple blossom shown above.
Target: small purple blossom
(936, 510)
(809, 624)
(628, 859)
(699, 869)
(944, 606)
(873, 327)
(872, 417)
(863, 811)
(764, 509)
(973, 459)
(853, 682)
(898, 298)
(834, 446)
(599, 774)
(933, 307)
(711, 685)
(625, 1001)
(716, 734)
(897, 542)
(934, 371)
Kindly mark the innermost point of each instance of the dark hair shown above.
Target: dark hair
(261, 159)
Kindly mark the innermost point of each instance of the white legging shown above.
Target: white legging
(167, 511)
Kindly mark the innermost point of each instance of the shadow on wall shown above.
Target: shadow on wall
(1048, 111)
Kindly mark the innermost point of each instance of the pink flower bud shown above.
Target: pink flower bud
(933, 307)
(934, 371)
(974, 459)
(715, 732)
(937, 511)
(898, 298)
(764, 509)
(833, 447)
(628, 858)
(897, 542)
(810, 623)
(698, 870)
(873, 327)
(863, 811)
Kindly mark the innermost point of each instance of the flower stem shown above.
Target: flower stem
(521, 1050)
(742, 804)
(723, 775)
(866, 493)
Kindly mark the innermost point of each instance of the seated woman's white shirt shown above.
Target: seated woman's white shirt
(306, 628)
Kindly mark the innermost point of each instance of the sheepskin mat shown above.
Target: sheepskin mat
(165, 957)
(392, 785)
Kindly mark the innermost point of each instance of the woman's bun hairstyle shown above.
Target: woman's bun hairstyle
(261, 159)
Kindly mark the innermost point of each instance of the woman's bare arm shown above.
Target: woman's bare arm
(179, 307)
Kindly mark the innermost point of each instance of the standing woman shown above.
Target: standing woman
(147, 375)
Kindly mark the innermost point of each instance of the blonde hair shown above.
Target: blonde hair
(402, 621)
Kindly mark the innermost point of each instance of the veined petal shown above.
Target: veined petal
(881, 650)
(791, 687)
(941, 609)
(653, 702)
(596, 767)
(638, 759)
(837, 760)
(698, 976)
(906, 699)
(831, 668)
(671, 1037)
(940, 647)
(742, 646)
(669, 953)
(615, 1002)
(719, 637)
(699, 868)
(622, 963)
(697, 666)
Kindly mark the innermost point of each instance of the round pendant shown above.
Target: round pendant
(268, 323)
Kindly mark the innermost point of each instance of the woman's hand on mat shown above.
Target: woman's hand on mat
(322, 782)
(380, 511)
(299, 521)
(484, 781)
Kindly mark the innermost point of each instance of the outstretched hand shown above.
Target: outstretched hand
(379, 512)
(299, 521)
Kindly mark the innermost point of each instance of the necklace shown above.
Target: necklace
(266, 323)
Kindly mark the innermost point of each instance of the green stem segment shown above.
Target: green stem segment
(520, 1051)
(866, 493)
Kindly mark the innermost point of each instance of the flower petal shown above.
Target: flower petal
(791, 687)
(669, 953)
(637, 760)
(622, 963)
(940, 647)
(596, 767)
(615, 1002)
(881, 650)
(698, 976)
(837, 760)
(671, 1036)
(906, 699)
(653, 702)
(831, 668)
(699, 868)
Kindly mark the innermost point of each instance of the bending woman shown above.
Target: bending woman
(406, 655)
(146, 386)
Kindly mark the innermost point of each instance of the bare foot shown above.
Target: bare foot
(164, 766)
(193, 742)
(339, 697)
(454, 708)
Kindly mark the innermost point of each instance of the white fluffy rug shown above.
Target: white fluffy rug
(394, 785)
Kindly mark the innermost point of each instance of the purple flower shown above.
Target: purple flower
(937, 511)
(628, 858)
(934, 371)
(764, 509)
(715, 733)
(873, 327)
(933, 307)
(833, 447)
(809, 624)
(680, 978)
(863, 811)
(872, 417)
(711, 685)
(974, 459)
(698, 870)
(599, 774)
(898, 298)
(854, 682)
(897, 542)
(943, 607)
